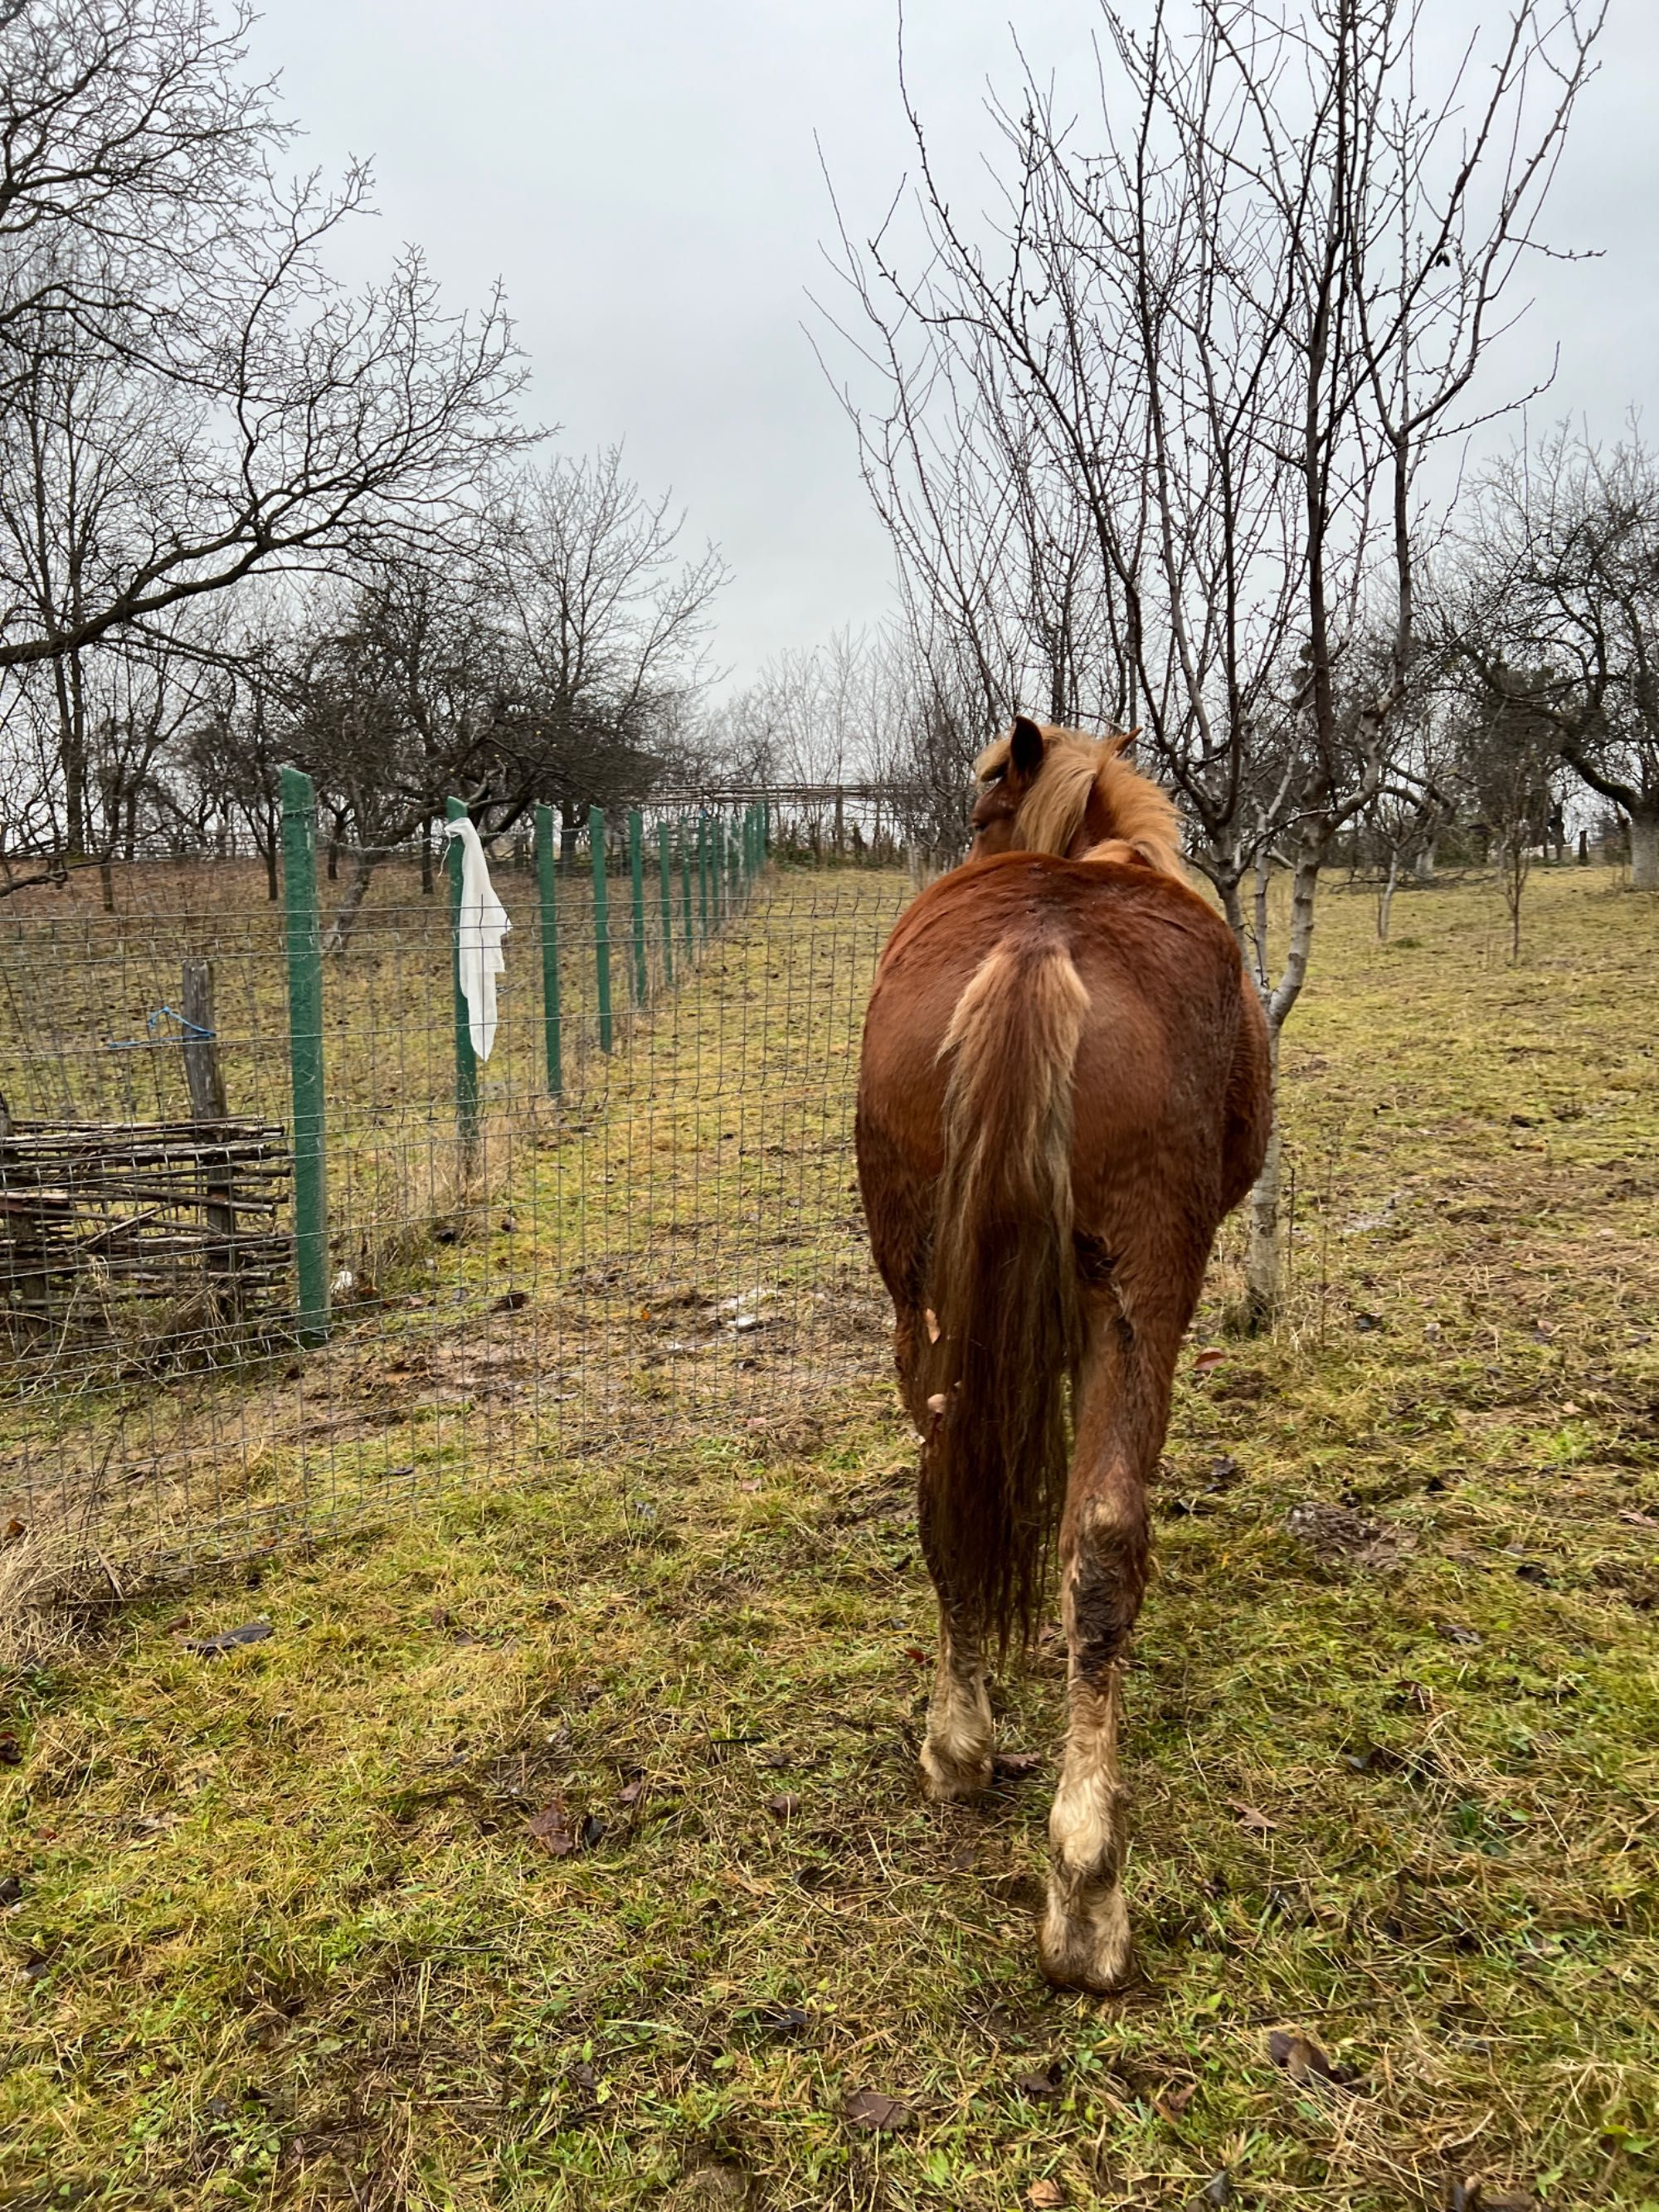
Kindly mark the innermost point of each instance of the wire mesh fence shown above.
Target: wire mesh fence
(638, 1214)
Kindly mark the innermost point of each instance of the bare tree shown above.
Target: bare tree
(82, 464)
(1400, 825)
(144, 240)
(1228, 332)
(1562, 583)
(136, 152)
(394, 704)
(1509, 758)
(609, 621)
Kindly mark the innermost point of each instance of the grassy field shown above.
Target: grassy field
(560, 1846)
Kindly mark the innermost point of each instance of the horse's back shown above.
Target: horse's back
(1165, 992)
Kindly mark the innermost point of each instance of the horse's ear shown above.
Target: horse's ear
(1123, 742)
(1024, 749)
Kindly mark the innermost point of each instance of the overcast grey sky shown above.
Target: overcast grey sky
(643, 177)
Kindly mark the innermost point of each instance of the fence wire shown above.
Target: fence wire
(668, 1246)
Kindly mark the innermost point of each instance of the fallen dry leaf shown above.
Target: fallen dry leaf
(783, 1805)
(1016, 1766)
(551, 1829)
(1206, 1360)
(879, 2115)
(1045, 2195)
(1257, 1823)
(1173, 2101)
(1303, 2061)
(1043, 2088)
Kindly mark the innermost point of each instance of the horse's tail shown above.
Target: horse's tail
(1002, 1297)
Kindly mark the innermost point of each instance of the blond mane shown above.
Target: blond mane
(1142, 823)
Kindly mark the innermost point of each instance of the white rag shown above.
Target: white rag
(479, 928)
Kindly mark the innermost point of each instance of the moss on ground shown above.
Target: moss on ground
(287, 1934)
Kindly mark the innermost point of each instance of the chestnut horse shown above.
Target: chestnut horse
(1063, 1088)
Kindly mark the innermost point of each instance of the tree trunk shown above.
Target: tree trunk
(1261, 1255)
(1263, 1276)
(1514, 869)
(1425, 860)
(1645, 849)
(426, 858)
(1385, 902)
(339, 935)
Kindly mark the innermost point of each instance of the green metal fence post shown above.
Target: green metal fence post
(546, 877)
(305, 1030)
(636, 868)
(666, 869)
(467, 1061)
(686, 887)
(601, 923)
(703, 872)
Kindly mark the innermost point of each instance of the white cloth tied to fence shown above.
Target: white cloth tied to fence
(480, 927)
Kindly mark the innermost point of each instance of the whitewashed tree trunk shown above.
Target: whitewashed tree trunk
(1644, 851)
(1425, 861)
(1263, 1259)
(1262, 1269)
(1385, 901)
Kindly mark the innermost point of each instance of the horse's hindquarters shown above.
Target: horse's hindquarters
(1056, 1096)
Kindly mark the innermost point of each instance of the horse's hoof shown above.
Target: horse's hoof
(951, 1781)
(1089, 1948)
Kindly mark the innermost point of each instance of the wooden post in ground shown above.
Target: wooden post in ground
(204, 1074)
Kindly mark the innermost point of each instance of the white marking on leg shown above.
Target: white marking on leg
(1082, 1823)
(956, 1758)
(1086, 1929)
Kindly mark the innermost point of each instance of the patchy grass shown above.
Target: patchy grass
(285, 1934)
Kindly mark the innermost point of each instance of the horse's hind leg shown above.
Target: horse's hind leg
(1105, 1545)
(955, 1752)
